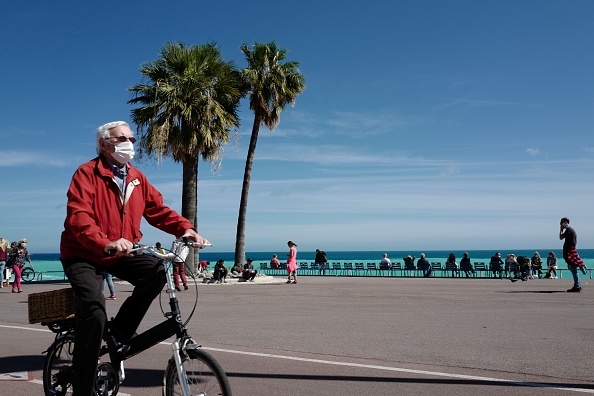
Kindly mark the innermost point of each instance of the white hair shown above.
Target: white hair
(103, 131)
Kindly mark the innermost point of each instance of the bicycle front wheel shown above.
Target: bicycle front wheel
(27, 275)
(205, 376)
(58, 371)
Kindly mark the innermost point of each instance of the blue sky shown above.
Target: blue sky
(424, 124)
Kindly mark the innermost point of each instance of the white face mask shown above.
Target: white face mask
(124, 152)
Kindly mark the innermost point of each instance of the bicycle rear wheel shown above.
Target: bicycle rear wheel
(205, 376)
(58, 371)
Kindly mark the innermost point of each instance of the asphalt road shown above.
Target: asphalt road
(355, 336)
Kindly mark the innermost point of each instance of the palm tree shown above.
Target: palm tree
(188, 107)
(272, 85)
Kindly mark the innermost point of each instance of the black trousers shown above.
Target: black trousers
(250, 274)
(219, 275)
(147, 277)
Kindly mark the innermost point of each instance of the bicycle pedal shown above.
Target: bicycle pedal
(122, 349)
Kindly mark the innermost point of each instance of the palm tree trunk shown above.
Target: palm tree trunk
(190, 204)
(240, 236)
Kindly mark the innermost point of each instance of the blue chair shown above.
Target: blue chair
(372, 267)
(480, 268)
(348, 269)
(304, 268)
(394, 268)
(360, 268)
(512, 270)
(453, 268)
(384, 268)
(436, 267)
(466, 267)
(423, 268)
(337, 268)
(410, 268)
(263, 268)
(497, 270)
(315, 269)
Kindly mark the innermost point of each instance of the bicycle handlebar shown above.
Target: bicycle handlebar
(139, 248)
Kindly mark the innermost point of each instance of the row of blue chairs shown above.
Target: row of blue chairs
(378, 269)
(397, 269)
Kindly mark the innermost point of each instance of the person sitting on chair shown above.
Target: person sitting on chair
(409, 262)
(496, 265)
(465, 265)
(385, 261)
(423, 265)
(274, 262)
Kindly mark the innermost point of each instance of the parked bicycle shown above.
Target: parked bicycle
(189, 372)
(28, 275)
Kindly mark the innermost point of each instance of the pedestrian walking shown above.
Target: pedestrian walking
(321, 260)
(3, 257)
(292, 262)
(107, 278)
(570, 254)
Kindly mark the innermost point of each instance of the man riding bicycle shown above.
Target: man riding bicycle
(107, 200)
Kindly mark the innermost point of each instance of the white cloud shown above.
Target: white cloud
(481, 103)
(533, 151)
(13, 158)
(359, 125)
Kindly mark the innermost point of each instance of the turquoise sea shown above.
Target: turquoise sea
(51, 268)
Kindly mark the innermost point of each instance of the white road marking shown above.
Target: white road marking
(15, 376)
(403, 370)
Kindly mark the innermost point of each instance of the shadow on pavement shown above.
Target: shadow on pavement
(442, 381)
(10, 364)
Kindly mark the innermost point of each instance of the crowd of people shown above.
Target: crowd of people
(514, 267)
(12, 262)
(248, 273)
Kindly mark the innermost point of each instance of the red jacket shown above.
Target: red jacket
(97, 213)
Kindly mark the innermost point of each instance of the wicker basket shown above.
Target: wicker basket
(51, 306)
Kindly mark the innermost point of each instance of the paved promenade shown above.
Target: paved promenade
(355, 336)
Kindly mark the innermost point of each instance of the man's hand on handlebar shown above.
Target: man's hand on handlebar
(121, 247)
(194, 236)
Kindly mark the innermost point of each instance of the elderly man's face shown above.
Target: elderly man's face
(118, 134)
